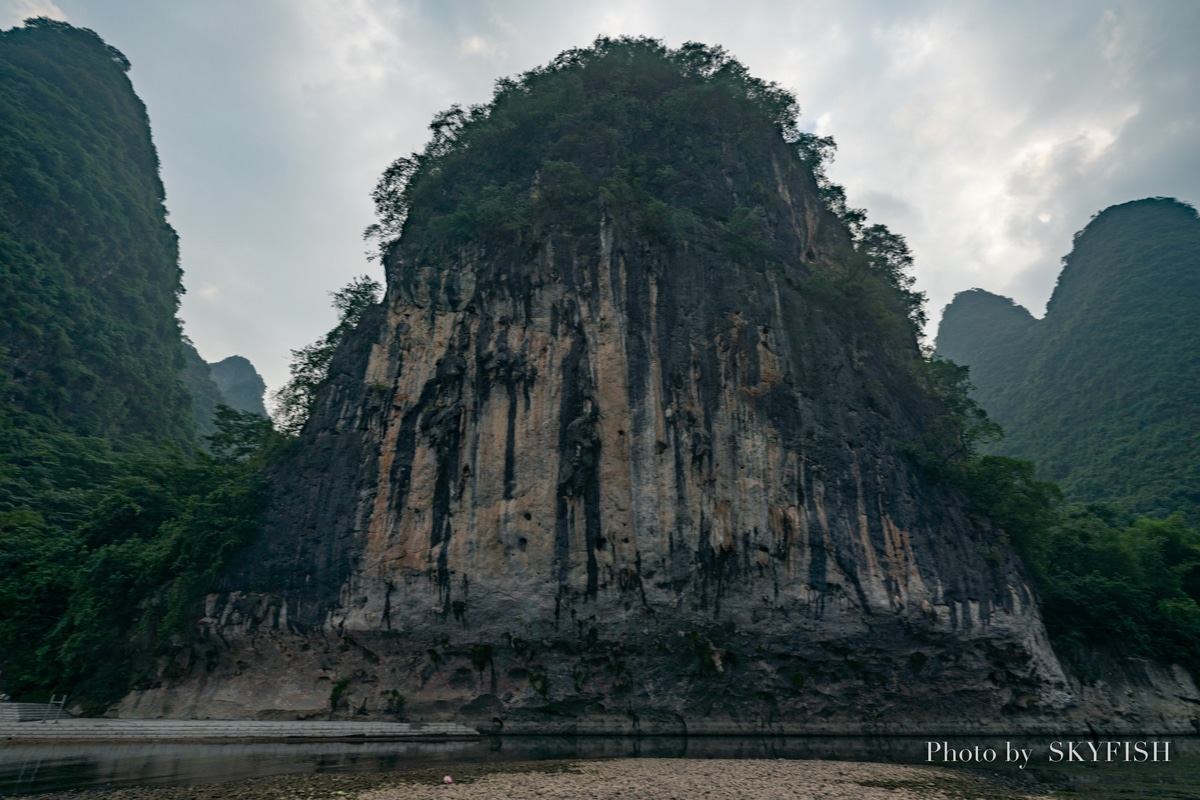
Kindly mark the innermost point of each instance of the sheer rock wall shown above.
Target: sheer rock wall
(593, 484)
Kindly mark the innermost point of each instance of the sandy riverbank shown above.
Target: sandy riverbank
(622, 779)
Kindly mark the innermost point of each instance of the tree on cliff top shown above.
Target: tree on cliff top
(310, 364)
(625, 122)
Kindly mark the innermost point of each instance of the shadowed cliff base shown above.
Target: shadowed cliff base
(638, 441)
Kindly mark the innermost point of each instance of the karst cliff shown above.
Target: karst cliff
(89, 266)
(628, 446)
(110, 493)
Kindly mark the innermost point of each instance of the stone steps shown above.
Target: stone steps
(143, 730)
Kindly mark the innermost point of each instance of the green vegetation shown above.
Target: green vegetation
(1097, 573)
(106, 550)
(310, 364)
(1111, 579)
(1107, 579)
(606, 116)
(239, 383)
(206, 395)
(1101, 392)
(232, 382)
(108, 544)
(89, 273)
(629, 125)
(875, 272)
(112, 524)
(335, 694)
(103, 553)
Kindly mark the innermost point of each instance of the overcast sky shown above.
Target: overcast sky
(987, 133)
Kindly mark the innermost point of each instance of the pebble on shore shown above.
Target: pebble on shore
(683, 779)
(620, 779)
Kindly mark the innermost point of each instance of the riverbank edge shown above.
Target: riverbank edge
(899, 781)
(126, 731)
(142, 731)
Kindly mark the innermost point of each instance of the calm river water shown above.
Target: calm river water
(28, 769)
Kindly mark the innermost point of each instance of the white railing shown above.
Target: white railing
(33, 712)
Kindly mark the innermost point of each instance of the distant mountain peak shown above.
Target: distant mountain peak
(240, 384)
(1098, 391)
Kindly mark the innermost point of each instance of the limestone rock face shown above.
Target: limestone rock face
(634, 489)
(583, 480)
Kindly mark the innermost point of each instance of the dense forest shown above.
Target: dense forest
(113, 511)
(90, 279)
(1101, 394)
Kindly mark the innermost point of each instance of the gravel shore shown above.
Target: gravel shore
(623, 779)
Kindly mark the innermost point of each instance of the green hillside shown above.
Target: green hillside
(1101, 392)
(231, 382)
(89, 272)
(111, 518)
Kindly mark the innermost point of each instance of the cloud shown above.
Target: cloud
(1007, 127)
(986, 133)
(480, 46)
(14, 12)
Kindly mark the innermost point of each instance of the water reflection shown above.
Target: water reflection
(26, 769)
